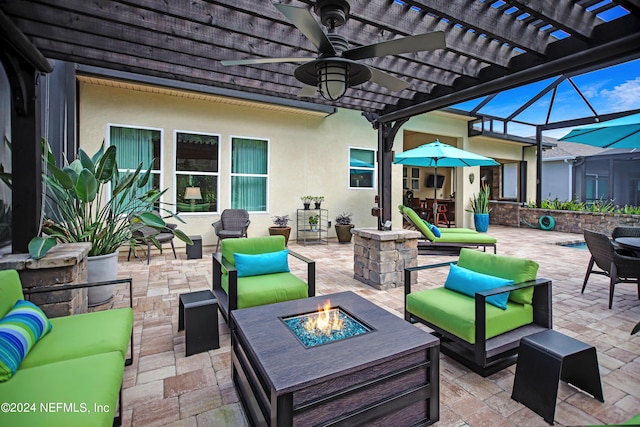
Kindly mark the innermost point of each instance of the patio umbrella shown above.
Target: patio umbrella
(617, 133)
(438, 154)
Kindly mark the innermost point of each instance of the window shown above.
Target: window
(197, 168)
(249, 174)
(415, 178)
(136, 145)
(597, 187)
(362, 168)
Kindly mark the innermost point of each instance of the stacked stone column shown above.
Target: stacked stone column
(380, 257)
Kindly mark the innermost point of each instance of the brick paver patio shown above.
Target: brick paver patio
(163, 387)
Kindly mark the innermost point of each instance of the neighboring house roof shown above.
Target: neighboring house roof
(569, 150)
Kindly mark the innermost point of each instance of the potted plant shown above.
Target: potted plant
(80, 208)
(318, 201)
(343, 227)
(480, 208)
(281, 227)
(306, 201)
(313, 222)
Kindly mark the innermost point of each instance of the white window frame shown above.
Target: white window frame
(267, 175)
(374, 169)
(176, 172)
(159, 172)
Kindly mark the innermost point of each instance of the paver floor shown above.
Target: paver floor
(163, 387)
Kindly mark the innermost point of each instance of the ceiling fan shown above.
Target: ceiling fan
(335, 69)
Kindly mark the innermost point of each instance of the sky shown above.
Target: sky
(609, 90)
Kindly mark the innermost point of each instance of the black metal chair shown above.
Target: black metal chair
(232, 223)
(612, 262)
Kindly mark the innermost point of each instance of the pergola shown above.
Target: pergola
(491, 45)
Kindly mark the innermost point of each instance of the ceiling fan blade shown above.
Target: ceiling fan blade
(387, 80)
(428, 41)
(249, 61)
(303, 20)
(307, 91)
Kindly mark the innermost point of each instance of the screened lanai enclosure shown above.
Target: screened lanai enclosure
(390, 60)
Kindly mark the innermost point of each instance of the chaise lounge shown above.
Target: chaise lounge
(450, 238)
(475, 332)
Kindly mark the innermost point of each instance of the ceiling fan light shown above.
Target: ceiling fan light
(333, 79)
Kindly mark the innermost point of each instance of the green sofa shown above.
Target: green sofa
(233, 292)
(73, 375)
(491, 343)
(450, 237)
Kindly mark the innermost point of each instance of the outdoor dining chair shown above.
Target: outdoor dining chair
(612, 263)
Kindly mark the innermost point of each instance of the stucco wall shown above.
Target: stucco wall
(307, 154)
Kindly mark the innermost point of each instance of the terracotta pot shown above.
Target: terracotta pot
(344, 232)
(281, 231)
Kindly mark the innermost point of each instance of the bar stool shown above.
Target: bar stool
(441, 215)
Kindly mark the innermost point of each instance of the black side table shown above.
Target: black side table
(195, 251)
(546, 358)
(198, 316)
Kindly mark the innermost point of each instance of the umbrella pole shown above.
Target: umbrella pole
(434, 208)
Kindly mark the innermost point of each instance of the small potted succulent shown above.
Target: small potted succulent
(480, 208)
(343, 227)
(306, 201)
(318, 201)
(281, 227)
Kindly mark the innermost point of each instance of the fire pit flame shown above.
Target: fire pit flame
(325, 325)
(327, 321)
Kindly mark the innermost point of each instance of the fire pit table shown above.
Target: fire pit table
(386, 373)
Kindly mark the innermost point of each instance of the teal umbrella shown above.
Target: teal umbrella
(617, 133)
(438, 154)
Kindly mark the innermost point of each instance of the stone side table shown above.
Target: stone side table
(380, 256)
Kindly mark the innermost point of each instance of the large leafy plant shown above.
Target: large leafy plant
(80, 207)
(480, 203)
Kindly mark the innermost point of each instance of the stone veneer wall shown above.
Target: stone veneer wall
(64, 264)
(380, 257)
(515, 215)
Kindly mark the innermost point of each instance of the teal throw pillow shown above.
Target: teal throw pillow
(435, 230)
(20, 329)
(469, 282)
(267, 263)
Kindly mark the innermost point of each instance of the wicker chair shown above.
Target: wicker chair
(232, 223)
(625, 232)
(618, 267)
(148, 236)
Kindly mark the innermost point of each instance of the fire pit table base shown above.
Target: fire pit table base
(388, 376)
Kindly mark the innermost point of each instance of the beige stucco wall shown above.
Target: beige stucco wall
(308, 154)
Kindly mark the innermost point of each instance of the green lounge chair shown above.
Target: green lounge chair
(450, 237)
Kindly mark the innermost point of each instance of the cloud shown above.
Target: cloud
(625, 96)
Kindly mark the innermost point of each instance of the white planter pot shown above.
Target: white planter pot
(102, 268)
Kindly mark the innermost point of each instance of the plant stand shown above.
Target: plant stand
(305, 233)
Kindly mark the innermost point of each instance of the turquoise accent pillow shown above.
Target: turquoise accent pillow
(435, 230)
(469, 282)
(267, 263)
(20, 329)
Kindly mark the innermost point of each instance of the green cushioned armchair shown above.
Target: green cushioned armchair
(491, 344)
(233, 292)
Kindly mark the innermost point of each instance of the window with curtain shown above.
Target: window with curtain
(197, 160)
(136, 145)
(362, 168)
(249, 174)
